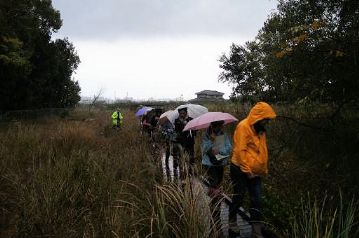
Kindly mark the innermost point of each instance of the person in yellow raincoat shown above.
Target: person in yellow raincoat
(117, 119)
(249, 162)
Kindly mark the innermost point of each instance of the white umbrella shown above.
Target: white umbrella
(193, 110)
(164, 116)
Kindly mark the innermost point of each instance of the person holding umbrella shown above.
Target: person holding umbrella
(181, 117)
(184, 138)
(248, 163)
(216, 149)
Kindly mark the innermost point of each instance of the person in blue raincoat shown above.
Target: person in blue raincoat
(216, 150)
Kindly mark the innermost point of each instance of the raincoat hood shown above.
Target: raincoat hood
(259, 112)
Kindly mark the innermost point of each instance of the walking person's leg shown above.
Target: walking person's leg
(215, 177)
(181, 161)
(176, 162)
(167, 156)
(189, 149)
(255, 192)
(167, 153)
(239, 185)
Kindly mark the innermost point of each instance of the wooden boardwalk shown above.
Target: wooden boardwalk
(244, 226)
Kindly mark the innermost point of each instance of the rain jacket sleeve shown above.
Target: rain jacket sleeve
(208, 157)
(241, 137)
(227, 148)
(207, 145)
(114, 115)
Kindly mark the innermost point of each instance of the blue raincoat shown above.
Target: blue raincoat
(207, 145)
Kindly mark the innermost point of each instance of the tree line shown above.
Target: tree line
(306, 51)
(35, 70)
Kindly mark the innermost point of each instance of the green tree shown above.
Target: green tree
(307, 50)
(35, 71)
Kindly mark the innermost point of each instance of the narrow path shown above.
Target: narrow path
(244, 226)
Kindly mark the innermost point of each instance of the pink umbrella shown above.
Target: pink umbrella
(205, 120)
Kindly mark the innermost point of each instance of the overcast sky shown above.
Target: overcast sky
(156, 48)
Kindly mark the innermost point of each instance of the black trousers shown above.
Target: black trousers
(189, 149)
(214, 176)
(241, 184)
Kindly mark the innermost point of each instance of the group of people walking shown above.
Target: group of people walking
(248, 162)
(247, 158)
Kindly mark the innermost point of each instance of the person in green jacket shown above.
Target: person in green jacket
(117, 119)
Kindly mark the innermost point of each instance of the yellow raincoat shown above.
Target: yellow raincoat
(116, 118)
(249, 148)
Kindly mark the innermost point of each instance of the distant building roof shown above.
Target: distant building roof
(201, 100)
(210, 92)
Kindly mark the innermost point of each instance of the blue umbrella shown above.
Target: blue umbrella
(142, 111)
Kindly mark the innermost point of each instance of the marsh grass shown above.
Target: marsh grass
(319, 219)
(181, 211)
(63, 178)
(77, 177)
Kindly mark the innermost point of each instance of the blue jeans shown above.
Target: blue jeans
(241, 183)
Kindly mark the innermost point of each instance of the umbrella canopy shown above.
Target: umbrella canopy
(142, 111)
(205, 120)
(193, 110)
(165, 114)
(164, 118)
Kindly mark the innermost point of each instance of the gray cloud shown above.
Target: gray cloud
(112, 19)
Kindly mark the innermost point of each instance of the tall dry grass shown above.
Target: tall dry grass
(77, 177)
(317, 220)
(64, 178)
(181, 211)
